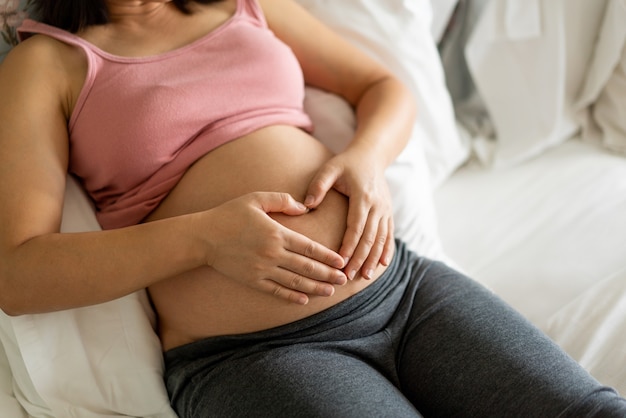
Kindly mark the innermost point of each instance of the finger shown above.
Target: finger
(319, 186)
(355, 227)
(363, 249)
(281, 292)
(311, 250)
(302, 284)
(376, 251)
(312, 272)
(389, 244)
(279, 202)
(295, 288)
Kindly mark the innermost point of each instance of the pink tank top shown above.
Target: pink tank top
(140, 123)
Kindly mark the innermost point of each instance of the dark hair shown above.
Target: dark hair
(74, 15)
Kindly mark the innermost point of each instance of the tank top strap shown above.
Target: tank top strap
(252, 10)
(30, 27)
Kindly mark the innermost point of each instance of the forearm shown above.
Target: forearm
(385, 118)
(60, 271)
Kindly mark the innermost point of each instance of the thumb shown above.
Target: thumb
(320, 185)
(280, 202)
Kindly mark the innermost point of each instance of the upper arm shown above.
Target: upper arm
(34, 141)
(328, 61)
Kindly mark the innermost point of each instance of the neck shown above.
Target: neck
(123, 11)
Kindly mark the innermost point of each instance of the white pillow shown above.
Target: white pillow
(603, 99)
(609, 111)
(398, 34)
(528, 59)
(9, 406)
(592, 328)
(442, 11)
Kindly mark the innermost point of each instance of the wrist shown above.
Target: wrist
(200, 247)
(368, 153)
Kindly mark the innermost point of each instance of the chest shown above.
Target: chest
(138, 114)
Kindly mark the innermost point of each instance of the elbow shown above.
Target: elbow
(10, 313)
(9, 298)
(10, 308)
(16, 290)
(6, 305)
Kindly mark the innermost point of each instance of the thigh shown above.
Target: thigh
(295, 381)
(467, 353)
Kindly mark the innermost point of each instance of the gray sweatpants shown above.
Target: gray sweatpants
(423, 340)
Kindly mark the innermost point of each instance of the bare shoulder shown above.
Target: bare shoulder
(46, 64)
(41, 49)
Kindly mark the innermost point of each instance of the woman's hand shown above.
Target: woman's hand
(247, 245)
(368, 240)
(385, 116)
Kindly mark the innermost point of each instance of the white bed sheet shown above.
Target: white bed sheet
(591, 329)
(549, 236)
(9, 406)
(542, 233)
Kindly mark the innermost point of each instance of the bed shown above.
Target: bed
(515, 174)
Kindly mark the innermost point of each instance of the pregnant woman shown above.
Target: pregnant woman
(183, 120)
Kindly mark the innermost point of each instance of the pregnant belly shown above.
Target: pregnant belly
(202, 302)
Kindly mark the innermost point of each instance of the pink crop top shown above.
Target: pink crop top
(140, 123)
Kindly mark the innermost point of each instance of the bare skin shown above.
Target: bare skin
(215, 255)
(203, 302)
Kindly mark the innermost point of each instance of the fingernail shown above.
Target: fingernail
(341, 280)
(328, 290)
(309, 200)
(369, 274)
(351, 274)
